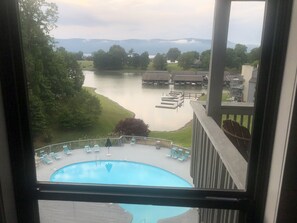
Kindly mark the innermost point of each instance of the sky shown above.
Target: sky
(154, 19)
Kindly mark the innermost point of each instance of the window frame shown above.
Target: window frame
(251, 202)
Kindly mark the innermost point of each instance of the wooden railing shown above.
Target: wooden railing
(239, 112)
(215, 162)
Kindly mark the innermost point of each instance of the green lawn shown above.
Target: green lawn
(86, 64)
(181, 136)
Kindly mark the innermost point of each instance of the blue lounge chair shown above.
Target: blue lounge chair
(45, 159)
(179, 154)
(55, 156)
(66, 150)
(173, 153)
(96, 148)
(185, 156)
(88, 149)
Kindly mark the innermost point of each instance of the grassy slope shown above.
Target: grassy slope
(182, 136)
(111, 114)
(86, 64)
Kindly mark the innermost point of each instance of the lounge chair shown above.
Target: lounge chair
(132, 142)
(88, 149)
(185, 156)
(55, 156)
(66, 150)
(96, 148)
(173, 153)
(179, 154)
(45, 159)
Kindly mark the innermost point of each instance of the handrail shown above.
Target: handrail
(235, 164)
(119, 140)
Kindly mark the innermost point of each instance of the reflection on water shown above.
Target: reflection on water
(127, 90)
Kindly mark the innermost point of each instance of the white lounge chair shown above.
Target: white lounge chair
(55, 156)
(96, 148)
(88, 149)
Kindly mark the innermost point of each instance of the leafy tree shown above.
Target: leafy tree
(79, 55)
(118, 57)
(188, 59)
(100, 59)
(173, 54)
(236, 57)
(205, 59)
(132, 126)
(80, 111)
(240, 53)
(114, 59)
(254, 56)
(53, 75)
(144, 60)
(160, 62)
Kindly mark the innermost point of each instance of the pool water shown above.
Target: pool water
(125, 173)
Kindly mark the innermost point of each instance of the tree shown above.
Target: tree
(132, 126)
(79, 55)
(188, 59)
(160, 62)
(82, 110)
(241, 54)
(114, 59)
(118, 57)
(144, 60)
(173, 54)
(100, 59)
(254, 56)
(205, 59)
(54, 77)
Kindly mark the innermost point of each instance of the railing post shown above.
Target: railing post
(217, 62)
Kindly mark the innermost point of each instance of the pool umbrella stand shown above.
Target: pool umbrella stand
(108, 145)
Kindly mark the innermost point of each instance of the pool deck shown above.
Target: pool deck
(72, 211)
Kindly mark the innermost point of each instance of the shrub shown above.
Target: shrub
(132, 126)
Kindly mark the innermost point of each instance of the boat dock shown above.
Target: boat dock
(175, 99)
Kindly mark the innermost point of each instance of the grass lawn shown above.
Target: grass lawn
(182, 136)
(86, 64)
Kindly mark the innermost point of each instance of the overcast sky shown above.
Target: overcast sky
(149, 19)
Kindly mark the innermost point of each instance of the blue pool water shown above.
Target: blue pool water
(127, 173)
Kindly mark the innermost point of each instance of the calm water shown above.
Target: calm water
(127, 90)
(129, 173)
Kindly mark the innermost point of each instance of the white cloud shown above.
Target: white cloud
(145, 19)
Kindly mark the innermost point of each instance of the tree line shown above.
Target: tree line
(235, 58)
(117, 58)
(54, 78)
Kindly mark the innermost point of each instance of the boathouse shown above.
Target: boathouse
(156, 78)
(187, 78)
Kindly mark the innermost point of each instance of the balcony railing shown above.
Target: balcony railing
(216, 163)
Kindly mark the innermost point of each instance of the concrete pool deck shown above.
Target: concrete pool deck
(62, 211)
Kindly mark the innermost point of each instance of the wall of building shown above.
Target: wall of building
(246, 72)
(283, 128)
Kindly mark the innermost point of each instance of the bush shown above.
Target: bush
(132, 126)
(80, 111)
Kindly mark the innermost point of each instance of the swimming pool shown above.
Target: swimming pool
(126, 173)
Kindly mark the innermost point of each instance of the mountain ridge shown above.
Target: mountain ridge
(152, 46)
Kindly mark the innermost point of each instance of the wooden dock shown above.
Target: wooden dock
(175, 99)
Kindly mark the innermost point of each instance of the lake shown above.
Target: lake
(127, 90)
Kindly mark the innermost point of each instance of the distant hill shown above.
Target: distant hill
(152, 46)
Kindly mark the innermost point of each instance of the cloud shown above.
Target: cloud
(146, 19)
